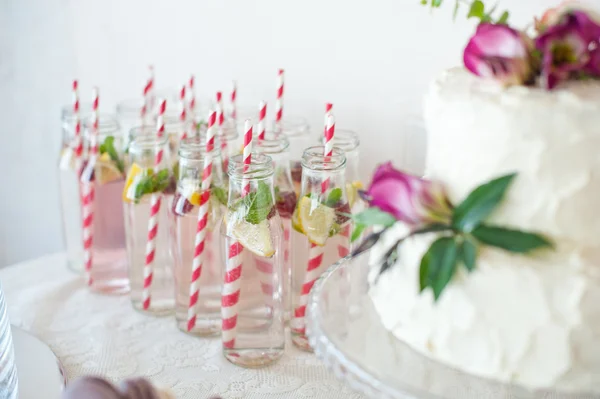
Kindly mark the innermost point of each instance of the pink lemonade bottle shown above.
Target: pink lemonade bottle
(252, 311)
(321, 229)
(184, 212)
(108, 272)
(276, 146)
(297, 130)
(147, 198)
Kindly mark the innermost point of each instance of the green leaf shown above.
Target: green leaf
(480, 203)
(257, 205)
(374, 217)
(468, 254)
(333, 198)
(109, 147)
(160, 181)
(219, 193)
(503, 18)
(456, 8)
(357, 232)
(511, 240)
(477, 10)
(424, 2)
(438, 265)
(436, 3)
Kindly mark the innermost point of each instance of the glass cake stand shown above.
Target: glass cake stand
(346, 333)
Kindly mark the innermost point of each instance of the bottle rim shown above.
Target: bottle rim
(194, 148)
(261, 167)
(313, 158)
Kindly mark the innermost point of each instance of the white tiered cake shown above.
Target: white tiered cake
(532, 320)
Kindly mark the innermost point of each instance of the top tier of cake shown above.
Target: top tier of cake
(479, 130)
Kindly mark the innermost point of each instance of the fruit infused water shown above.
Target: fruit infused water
(185, 208)
(106, 171)
(321, 229)
(276, 146)
(252, 293)
(147, 198)
(297, 131)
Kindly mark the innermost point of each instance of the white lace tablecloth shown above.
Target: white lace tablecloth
(103, 335)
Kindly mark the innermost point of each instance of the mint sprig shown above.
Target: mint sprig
(108, 146)
(255, 206)
(220, 194)
(152, 183)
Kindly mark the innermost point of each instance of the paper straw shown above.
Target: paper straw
(148, 88)
(233, 101)
(183, 113)
(222, 135)
(192, 100)
(153, 220)
(235, 252)
(262, 114)
(201, 230)
(279, 100)
(88, 192)
(315, 254)
(77, 139)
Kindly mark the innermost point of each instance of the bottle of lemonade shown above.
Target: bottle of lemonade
(147, 198)
(252, 237)
(321, 229)
(185, 207)
(277, 147)
(297, 130)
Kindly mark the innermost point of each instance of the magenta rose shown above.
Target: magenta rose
(410, 199)
(501, 53)
(569, 48)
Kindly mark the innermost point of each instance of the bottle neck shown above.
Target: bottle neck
(257, 176)
(148, 151)
(322, 174)
(192, 157)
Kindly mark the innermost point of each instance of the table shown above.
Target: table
(103, 335)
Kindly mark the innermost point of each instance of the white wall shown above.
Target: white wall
(372, 59)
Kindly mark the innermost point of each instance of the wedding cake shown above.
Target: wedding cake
(518, 314)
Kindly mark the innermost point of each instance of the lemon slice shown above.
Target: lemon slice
(256, 238)
(134, 172)
(316, 220)
(106, 171)
(352, 191)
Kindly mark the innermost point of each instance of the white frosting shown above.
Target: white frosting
(533, 320)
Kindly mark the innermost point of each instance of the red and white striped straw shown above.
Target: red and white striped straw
(201, 229)
(183, 113)
(222, 135)
(279, 100)
(192, 100)
(262, 115)
(153, 220)
(315, 254)
(328, 109)
(232, 284)
(88, 192)
(148, 88)
(233, 101)
(77, 140)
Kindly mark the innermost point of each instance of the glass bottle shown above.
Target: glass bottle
(277, 147)
(321, 231)
(184, 212)
(108, 273)
(297, 131)
(70, 191)
(252, 238)
(8, 367)
(231, 144)
(147, 197)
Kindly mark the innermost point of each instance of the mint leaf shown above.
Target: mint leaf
(160, 181)
(374, 217)
(438, 265)
(436, 3)
(477, 10)
(109, 147)
(257, 205)
(480, 203)
(333, 198)
(219, 193)
(511, 240)
(357, 231)
(468, 254)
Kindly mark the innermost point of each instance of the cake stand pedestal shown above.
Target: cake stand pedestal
(39, 371)
(346, 333)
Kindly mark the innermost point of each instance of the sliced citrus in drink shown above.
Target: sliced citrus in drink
(134, 171)
(352, 191)
(316, 220)
(256, 238)
(106, 170)
(191, 192)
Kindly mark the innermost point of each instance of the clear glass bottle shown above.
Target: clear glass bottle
(70, 188)
(277, 147)
(129, 115)
(184, 212)
(231, 144)
(297, 131)
(147, 198)
(108, 273)
(252, 237)
(320, 235)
